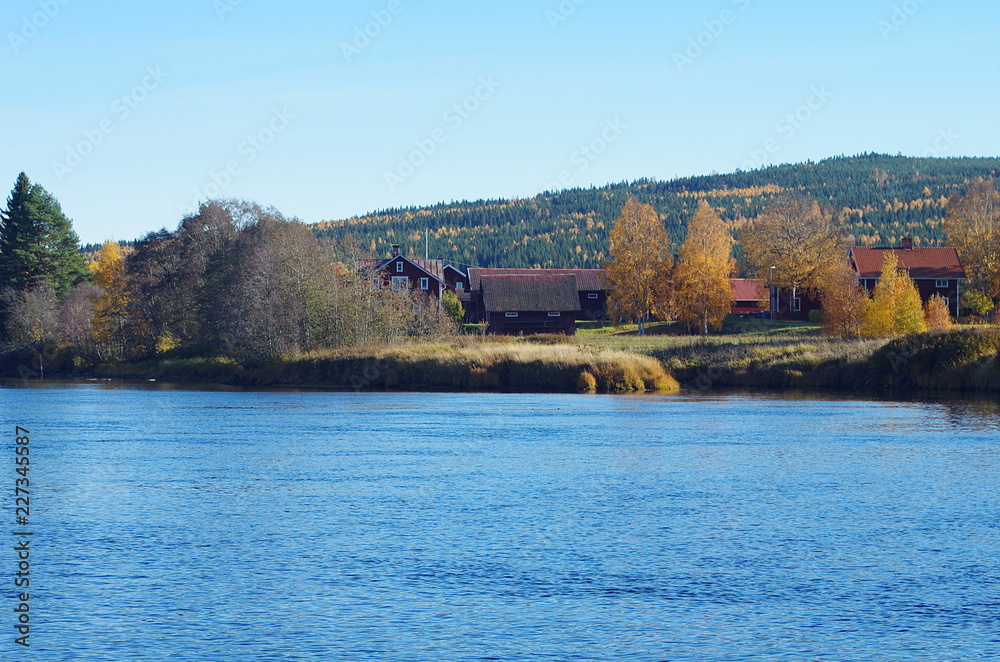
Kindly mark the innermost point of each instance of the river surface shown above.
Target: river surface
(203, 525)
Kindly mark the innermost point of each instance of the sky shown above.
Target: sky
(131, 114)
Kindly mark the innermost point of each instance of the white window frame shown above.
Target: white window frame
(941, 284)
(460, 285)
(399, 267)
(593, 295)
(400, 283)
(555, 314)
(425, 283)
(510, 315)
(796, 304)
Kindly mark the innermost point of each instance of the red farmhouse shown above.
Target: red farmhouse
(403, 273)
(934, 270)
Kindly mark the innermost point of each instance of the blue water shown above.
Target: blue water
(221, 525)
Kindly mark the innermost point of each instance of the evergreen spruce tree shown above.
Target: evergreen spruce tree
(38, 246)
(14, 224)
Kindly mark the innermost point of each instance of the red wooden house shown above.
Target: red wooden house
(934, 270)
(456, 279)
(402, 273)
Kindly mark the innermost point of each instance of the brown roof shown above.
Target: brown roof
(433, 267)
(745, 289)
(588, 280)
(922, 263)
(534, 293)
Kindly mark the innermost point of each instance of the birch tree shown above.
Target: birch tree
(972, 226)
(638, 274)
(895, 307)
(703, 295)
(843, 301)
(798, 238)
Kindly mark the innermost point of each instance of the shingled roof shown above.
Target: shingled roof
(922, 263)
(587, 280)
(534, 293)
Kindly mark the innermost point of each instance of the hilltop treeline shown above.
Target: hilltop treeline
(879, 198)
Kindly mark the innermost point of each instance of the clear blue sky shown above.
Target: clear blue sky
(130, 113)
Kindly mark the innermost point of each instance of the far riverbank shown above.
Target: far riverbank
(783, 358)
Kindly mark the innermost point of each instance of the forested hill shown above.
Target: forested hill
(880, 199)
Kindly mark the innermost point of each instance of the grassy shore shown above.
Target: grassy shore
(540, 364)
(787, 355)
(544, 364)
(759, 355)
(762, 355)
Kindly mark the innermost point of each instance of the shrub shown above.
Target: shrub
(936, 314)
(977, 304)
(935, 360)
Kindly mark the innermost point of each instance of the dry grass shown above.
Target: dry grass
(764, 355)
(477, 364)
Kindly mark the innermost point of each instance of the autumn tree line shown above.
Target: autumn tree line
(234, 280)
(242, 281)
(797, 245)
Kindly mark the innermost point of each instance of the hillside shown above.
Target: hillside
(880, 198)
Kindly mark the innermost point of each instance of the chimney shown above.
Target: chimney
(395, 250)
(907, 243)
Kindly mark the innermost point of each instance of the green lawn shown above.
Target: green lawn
(670, 335)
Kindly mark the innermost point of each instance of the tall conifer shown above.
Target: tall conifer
(38, 246)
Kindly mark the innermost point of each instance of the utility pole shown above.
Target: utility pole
(774, 295)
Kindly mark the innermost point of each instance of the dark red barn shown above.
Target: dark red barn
(522, 304)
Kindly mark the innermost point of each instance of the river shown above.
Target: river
(176, 523)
